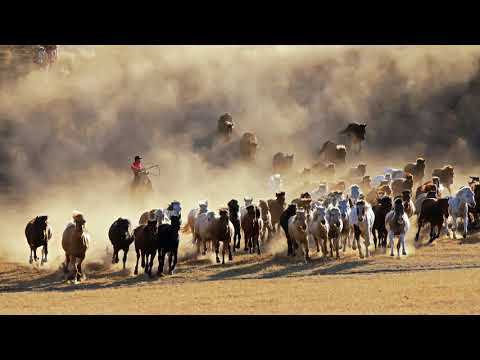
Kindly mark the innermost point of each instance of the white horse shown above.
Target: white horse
(318, 229)
(298, 231)
(397, 224)
(335, 224)
(192, 218)
(362, 218)
(345, 210)
(458, 208)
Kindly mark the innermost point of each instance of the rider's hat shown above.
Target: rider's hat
(138, 157)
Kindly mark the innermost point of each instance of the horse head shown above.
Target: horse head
(466, 195)
(301, 220)
(334, 216)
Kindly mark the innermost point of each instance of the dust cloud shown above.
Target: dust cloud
(66, 140)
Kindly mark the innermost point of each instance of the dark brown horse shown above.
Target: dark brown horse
(146, 245)
(234, 214)
(167, 244)
(222, 231)
(276, 207)
(286, 215)
(121, 237)
(225, 127)
(356, 134)
(248, 146)
(334, 153)
(252, 227)
(38, 232)
(435, 212)
(381, 209)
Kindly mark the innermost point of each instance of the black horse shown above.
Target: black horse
(286, 215)
(167, 243)
(234, 210)
(121, 237)
(38, 233)
(146, 245)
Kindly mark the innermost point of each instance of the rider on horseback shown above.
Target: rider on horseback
(138, 170)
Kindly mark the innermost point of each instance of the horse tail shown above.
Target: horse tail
(186, 229)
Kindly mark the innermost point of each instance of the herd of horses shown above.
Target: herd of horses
(335, 216)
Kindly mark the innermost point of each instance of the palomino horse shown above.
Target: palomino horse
(458, 208)
(75, 242)
(38, 232)
(397, 224)
(335, 225)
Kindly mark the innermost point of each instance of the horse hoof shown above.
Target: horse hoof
(404, 253)
(230, 258)
(392, 254)
(218, 261)
(464, 236)
(170, 272)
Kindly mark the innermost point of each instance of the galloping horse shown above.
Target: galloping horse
(75, 243)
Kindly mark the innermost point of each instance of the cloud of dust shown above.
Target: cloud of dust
(66, 141)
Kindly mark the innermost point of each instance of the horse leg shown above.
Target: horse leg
(366, 241)
(136, 265)
(217, 250)
(125, 252)
(223, 253)
(337, 244)
(258, 245)
(161, 261)
(454, 227)
(402, 241)
(420, 224)
(465, 224)
(239, 238)
(306, 250)
(175, 256)
(79, 270)
(150, 265)
(374, 232)
(391, 241)
(353, 238)
(113, 255)
(331, 246)
(142, 252)
(30, 261)
(35, 257)
(230, 257)
(293, 242)
(67, 262)
(45, 251)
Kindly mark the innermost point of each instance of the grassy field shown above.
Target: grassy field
(443, 278)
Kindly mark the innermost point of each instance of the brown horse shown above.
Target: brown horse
(146, 245)
(446, 175)
(277, 207)
(282, 162)
(248, 146)
(222, 230)
(75, 243)
(252, 225)
(399, 185)
(417, 169)
(429, 186)
(334, 153)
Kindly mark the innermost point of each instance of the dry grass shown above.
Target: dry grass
(439, 279)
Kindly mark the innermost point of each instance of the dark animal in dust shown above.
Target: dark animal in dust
(267, 221)
(282, 162)
(248, 146)
(446, 175)
(234, 214)
(356, 134)
(276, 206)
(381, 209)
(121, 237)
(284, 218)
(38, 233)
(146, 245)
(417, 169)
(324, 171)
(435, 212)
(167, 244)
(222, 231)
(408, 205)
(359, 171)
(399, 185)
(252, 227)
(225, 127)
(334, 153)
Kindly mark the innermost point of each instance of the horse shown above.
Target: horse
(356, 134)
(146, 245)
(397, 224)
(225, 127)
(358, 172)
(318, 229)
(282, 162)
(320, 192)
(252, 228)
(243, 210)
(458, 208)
(399, 185)
(202, 232)
(335, 224)
(417, 169)
(266, 219)
(334, 153)
(354, 193)
(222, 230)
(345, 209)
(362, 219)
(193, 214)
(408, 204)
(435, 212)
(234, 214)
(379, 229)
(395, 174)
(167, 241)
(431, 185)
(121, 237)
(446, 175)
(154, 214)
(290, 211)
(248, 146)
(38, 233)
(298, 231)
(75, 243)
(325, 171)
(276, 206)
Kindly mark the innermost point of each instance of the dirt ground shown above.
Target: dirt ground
(443, 278)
